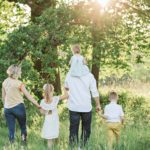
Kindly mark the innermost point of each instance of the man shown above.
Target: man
(80, 105)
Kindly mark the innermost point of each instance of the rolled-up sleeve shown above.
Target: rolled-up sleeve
(93, 87)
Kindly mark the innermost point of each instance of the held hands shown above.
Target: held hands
(98, 108)
(37, 105)
(45, 112)
(42, 111)
(100, 113)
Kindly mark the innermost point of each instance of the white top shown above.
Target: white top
(80, 90)
(50, 106)
(78, 66)
(50, 129)
(113, 112)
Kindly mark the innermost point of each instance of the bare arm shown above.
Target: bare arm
(3, 94)
(122, 115)
(65, 95)
(44, 112)
(102, 115)
(122, 119)
(84, 61)
(29, 97)
(70, 61)
(98, 106)
(94, 92)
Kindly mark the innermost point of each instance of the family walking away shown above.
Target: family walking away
(79, 89)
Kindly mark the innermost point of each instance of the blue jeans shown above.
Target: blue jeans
(75, 118)
(18, 112)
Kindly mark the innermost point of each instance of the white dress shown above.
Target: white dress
(78, 68)
(50, 128)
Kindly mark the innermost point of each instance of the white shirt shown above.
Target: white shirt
(80, 90)
(113, 112)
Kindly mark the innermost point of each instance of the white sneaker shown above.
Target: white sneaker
(79, 148)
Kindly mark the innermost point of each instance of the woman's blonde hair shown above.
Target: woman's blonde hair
(76, 48)
(48, 90)
(14, 71)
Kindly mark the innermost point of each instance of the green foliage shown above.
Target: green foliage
(136, 108)
(12, 15)
(115, 39)
(35, 46)
(110, 38)
(136, 127)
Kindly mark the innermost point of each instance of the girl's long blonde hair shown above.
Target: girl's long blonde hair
(48, 92)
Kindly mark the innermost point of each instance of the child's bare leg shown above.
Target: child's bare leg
(50, 143)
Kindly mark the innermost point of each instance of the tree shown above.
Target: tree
(37, 44)
(109, 33)
(104, 31)
(37, 6)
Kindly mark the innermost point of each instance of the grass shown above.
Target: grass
(137, 88)
(135, 134)
(132, 138)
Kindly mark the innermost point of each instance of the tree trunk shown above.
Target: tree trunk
(57, 82)
(95, 65)
(95, 71)
(37, 9)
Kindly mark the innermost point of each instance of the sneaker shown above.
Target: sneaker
(79, 148)
(24, 140)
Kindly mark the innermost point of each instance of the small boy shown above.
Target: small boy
(114, 116)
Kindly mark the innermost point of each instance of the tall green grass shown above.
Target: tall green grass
(135, 134)
(134, 137)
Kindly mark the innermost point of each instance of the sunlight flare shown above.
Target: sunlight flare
(103, 2)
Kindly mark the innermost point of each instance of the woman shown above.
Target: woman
(12, 96)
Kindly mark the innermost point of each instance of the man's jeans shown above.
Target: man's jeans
(18, 112)
(74, 126)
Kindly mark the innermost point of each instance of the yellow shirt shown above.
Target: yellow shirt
(13, 95)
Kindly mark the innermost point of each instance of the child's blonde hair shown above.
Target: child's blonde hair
(14, 71)
(76, 48)
(113, 95)
(48, 90)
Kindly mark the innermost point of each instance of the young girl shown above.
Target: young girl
(78, 63)
(50, 130)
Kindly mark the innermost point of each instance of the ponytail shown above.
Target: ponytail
(48, 89)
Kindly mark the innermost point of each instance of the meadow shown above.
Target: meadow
(135, 132)
(114, 39)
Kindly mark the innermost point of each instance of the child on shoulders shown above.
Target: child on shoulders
(78, 63)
